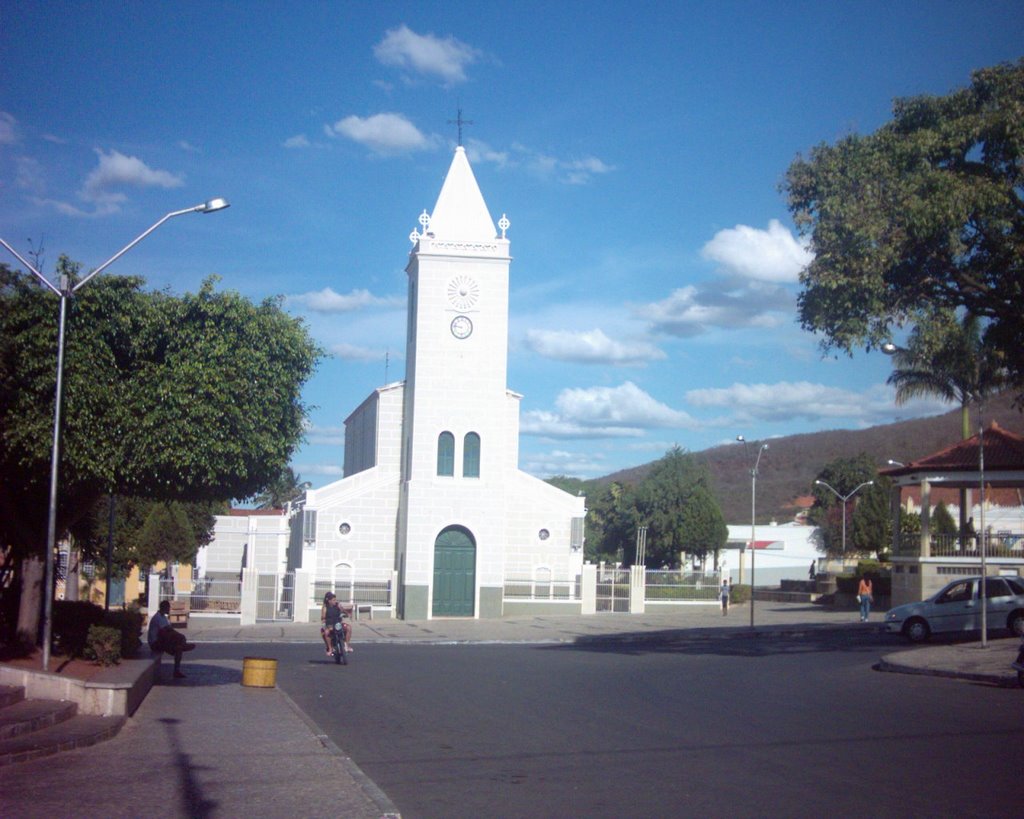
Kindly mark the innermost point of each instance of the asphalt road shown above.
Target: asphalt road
(714, 726)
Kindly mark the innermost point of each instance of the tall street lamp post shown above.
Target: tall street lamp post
(753, 517)
(64, 292)
(844, 499)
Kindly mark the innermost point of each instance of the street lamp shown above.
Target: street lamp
(844, 499)
(891, 462)
(753, 518)
(65, 291)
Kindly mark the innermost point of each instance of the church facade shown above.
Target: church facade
(432, 495)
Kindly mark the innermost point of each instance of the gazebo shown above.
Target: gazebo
(990, 463)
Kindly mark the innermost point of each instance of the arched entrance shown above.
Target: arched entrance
(454, 573)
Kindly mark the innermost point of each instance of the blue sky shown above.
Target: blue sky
(637, 149)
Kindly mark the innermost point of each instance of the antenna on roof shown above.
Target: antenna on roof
(459, 121)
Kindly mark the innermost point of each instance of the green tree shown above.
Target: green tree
(91, 533)
(674, 495)
(166, 536)
(844, 475)
(194, 397)
(942, 522)
(925, 212)
(611, 523)
(704, 530)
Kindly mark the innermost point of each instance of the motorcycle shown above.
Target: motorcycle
(1018, 664)
(338, 643)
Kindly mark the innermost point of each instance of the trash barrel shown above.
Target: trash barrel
(259, 672)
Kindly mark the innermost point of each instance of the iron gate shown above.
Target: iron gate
(612, 590)
(275, 596)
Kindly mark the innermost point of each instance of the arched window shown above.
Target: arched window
(446, 454)
(471, 456)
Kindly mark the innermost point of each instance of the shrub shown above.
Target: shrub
(70, 625)
(103, 645)
(129, 623)
(739, 593)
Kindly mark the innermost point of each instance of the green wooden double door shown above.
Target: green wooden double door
(454, 573)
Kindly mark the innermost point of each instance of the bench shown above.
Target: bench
(179, 613)
(353, 610)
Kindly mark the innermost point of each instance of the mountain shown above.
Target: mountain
(791, 463)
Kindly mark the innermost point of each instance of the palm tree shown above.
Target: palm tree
(948, 358)
(285, 488)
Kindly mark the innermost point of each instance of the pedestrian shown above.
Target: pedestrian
(724, 595)
(810, 572)
(865, 596)
(163, 637)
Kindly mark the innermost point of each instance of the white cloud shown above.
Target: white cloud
(592, 347)
(428, 54)
(188, 147)
(8, 129)
(328, 301)
(330, 470)
(604, 412)
(116, 169)
(331, 436)
(559, 462)
(772, 255)
(693, 310)
(352, 352)
(569, 171)
(297, 141)
(385, 133)
(478, 151)
(787, 400)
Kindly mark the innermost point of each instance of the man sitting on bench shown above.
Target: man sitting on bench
(163, 637)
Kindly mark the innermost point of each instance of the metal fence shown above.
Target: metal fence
(216, 595)
(612, 592)
(361, 591)
(1002, 543)
(666, 585)
(532, 588)
(275, 596)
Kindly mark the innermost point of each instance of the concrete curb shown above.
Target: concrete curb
(1000, 680)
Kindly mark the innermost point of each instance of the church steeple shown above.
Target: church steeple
(460, 213)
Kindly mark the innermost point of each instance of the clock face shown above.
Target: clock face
(463, 291)
(461, 326)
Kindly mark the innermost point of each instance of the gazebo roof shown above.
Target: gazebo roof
(960, 464)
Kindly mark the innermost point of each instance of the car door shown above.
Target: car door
(1000, 601)
(955, 609)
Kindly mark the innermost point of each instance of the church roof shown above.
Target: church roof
(460, 212)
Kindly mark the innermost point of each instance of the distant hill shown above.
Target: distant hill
(789, 466)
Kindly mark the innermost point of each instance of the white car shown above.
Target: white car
(956, 608)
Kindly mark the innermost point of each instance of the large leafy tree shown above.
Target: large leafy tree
(926, 212)
(675, 503)
(194, 397)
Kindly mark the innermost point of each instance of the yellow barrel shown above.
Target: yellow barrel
(259, 672)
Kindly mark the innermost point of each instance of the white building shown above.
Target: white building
(782, 552)
(432, 500)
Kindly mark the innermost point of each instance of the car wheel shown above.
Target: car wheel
(1016, 624)
(916, 630)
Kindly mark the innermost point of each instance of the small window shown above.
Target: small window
(446, 454)
(345, 528)
(471, 455)
(543, 534)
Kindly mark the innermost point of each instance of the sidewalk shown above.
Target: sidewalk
(208, 746)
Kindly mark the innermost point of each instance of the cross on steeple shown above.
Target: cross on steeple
(460, 122)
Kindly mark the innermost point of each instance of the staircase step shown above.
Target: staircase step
(33, 715)
(80, 731)
(10, 694)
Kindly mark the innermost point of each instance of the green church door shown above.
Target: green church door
(454, 573)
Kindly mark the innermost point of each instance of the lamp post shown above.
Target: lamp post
(753, 517)
(844, 499)
(64, 292)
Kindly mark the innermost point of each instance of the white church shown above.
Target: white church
(432, 501)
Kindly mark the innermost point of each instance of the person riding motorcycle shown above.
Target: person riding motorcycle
(330, 614)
